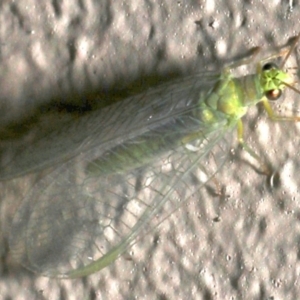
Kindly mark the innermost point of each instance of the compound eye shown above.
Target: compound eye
(269, 66)
(273, 95)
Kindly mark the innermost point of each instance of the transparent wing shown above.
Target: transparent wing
(113, 124)
(113, 172)
(73, 225)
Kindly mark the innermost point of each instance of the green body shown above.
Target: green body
(226, 103)
(122, 171)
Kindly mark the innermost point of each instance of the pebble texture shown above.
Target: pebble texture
(56, 55)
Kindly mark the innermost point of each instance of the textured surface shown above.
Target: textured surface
(55, 56)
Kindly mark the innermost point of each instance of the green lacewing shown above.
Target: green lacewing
(119, 172)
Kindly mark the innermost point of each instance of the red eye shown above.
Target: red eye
(273, 95)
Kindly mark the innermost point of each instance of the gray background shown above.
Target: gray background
(55, 56)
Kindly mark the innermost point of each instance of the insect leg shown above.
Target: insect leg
(277, 118)
(265, 169)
